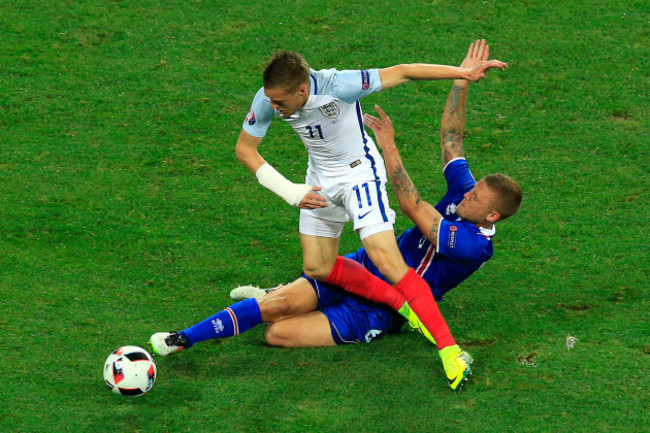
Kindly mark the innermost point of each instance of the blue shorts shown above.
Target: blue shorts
(354, 319)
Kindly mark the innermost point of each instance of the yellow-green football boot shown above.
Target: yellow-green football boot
(414, 322)
(457, 365)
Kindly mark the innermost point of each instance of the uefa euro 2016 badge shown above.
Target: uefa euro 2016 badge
(250, 118)
(365, 80)
(330, 111)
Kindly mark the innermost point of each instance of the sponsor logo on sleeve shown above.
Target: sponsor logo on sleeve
(451, 209)
(452, 236)
(365, 80)
(250, 117)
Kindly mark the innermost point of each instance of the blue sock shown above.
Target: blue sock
(234, 320)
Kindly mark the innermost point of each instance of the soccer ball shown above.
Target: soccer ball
(129, 370)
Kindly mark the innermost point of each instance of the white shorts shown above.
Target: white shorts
(365, 202)
(310, 225)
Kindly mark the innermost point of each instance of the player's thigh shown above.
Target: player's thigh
(319, 254)
(306, 330)
(297, 297)
(385, 254)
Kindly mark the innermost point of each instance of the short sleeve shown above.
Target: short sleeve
(350, 85)
(259, 116)
(458, 175)
(460, 241)
(459, 181)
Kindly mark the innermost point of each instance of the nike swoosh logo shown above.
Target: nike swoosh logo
(364, 215)
(451, 380)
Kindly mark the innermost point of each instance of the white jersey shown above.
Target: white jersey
(343, 159)
(330, 124)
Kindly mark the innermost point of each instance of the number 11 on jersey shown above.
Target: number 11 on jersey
(310, 130)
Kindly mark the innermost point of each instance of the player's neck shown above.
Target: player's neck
(483, 225)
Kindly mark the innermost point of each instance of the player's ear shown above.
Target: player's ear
(493, 216)
(303, 90)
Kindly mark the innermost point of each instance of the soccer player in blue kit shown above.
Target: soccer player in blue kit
(321, 223)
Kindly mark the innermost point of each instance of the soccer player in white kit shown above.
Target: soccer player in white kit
(346, 180)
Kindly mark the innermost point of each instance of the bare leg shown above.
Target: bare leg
(318, 255)
(408, 285)
(291, 300)
(306, 330)
(385, 254)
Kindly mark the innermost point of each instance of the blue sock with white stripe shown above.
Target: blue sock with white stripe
(234, 320)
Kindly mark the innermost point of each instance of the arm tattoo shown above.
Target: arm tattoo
(403, 187)
(455, 98)
(409, 199)
(452, 144)
(453, 124)
(433, 233)
(455, 93)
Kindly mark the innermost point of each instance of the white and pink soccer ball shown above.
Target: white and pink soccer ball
(130, 371)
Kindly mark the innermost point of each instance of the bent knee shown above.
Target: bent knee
(275, 307)
(317, 272)
(275, 337)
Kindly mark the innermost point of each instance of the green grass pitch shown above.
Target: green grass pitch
(124, 211)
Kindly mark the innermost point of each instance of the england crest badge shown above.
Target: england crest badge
(330, 111)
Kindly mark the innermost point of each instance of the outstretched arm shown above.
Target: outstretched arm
(399, 74)
(423, 214)
(452, 126)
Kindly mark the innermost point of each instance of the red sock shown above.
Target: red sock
(420, 299)
(356, 279)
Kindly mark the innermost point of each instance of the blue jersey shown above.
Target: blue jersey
(462, 247)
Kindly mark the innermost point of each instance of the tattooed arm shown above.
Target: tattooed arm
(452, 126)
(423, 214)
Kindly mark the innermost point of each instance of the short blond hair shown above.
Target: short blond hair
(508, 192)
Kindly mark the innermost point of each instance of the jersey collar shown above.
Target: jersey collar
(316, 101)
(488, 232)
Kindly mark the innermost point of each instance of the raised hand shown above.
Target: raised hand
(477, 60)
(382, 127)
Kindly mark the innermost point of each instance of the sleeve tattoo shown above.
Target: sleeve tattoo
(408, 195)
(453, 124)
(404, 188)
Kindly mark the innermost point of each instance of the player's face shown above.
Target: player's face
(287, 102)
(478, 205)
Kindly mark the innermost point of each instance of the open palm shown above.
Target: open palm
(477, 60)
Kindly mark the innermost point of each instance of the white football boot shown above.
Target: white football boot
(164, 343)
(247, 292)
